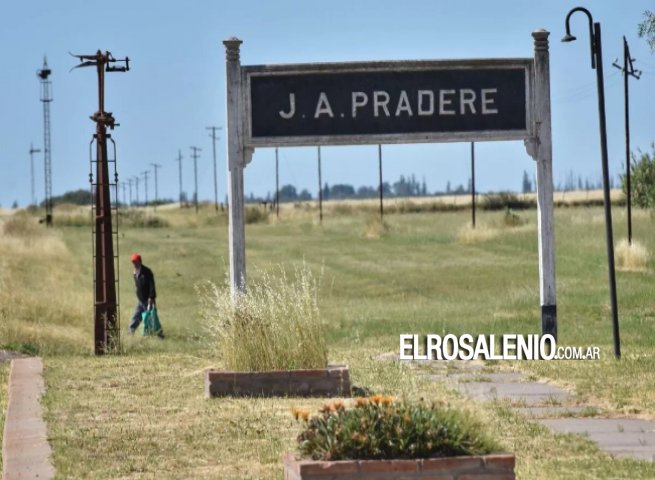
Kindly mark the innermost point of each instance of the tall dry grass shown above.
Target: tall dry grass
(276, 325)
(42, 297)
(509, 223)
(631, 257)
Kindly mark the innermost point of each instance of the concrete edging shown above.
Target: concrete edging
(321, 382)
(25, 449)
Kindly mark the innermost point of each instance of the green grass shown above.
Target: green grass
(143, 412)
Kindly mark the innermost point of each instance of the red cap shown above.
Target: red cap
(136, 257)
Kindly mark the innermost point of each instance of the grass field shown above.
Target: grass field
(143, 415)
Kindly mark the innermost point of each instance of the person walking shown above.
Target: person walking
(146, 294)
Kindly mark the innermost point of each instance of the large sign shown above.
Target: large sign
(388, 102)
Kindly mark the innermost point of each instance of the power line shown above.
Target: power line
(213, 137)
(32, 152)
(195, 156)
(155, 167)
(145, 178)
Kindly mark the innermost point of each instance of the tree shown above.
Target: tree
(304, 195)
(642, 179)
(527, 185)
(341, 191)
(288, 193)
(647, 29)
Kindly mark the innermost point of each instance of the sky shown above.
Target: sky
(176, 86)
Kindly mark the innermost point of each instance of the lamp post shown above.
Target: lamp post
(597, 64)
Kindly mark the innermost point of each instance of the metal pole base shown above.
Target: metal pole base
(549, 320)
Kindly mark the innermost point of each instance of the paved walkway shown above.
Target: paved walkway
(25, 449)
(553, 407)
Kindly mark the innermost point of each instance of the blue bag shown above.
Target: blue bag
(151, 325)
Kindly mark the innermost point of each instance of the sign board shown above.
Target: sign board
(392, 102)
(388, 102)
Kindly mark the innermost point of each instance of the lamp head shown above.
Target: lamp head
(568, 38)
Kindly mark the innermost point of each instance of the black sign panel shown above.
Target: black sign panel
(388, 102)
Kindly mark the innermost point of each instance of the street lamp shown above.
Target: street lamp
(597, 64)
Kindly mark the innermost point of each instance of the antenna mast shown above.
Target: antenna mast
(46, 98)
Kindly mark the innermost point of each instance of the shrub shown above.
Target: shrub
(276, 325)
(505, 200)
(511, 219)
(642, 179)
(381, 428)
(140, 219)
(21, 226)
(631, 257)
(256, 215)
(376, 227)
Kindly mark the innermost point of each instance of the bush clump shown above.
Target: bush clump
(505, 200)
(140, 219)
(276, 325)
(380, 428)
(256, 215)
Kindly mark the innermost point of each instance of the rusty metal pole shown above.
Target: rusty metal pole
(106, 328)
(105, 302)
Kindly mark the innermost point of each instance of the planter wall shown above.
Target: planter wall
(484, 467)
(324, 382)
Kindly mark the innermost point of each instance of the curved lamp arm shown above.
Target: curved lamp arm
(569, 38)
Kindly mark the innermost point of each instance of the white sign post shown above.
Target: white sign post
(392, 102)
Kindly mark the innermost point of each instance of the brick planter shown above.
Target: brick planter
(323, 382)
(485, 467)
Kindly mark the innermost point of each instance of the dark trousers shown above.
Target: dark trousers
(136, 318)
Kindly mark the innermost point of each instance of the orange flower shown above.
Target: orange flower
(361, 402)
(299, 413)
(328, 407)
(376, 399)
(338, 405)
(387, 400)
(295, 411)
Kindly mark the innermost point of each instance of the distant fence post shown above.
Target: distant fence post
(236, 162)
(542, 152)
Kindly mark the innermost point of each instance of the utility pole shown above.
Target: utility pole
(136, 180)
(628, 70)
(145, 178)
(380, 169)
(32, 152)
(213, 137)
(156, 166)
(124, 194)
(195, 156)
(179, 161)
(46, 98)
(320, 191)
(473, 183)
(277, 185)
(129, 184)
(106, 314)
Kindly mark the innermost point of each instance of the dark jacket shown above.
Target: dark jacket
(145, 284)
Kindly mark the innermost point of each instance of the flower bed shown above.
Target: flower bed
(380, 438)
(477, 467)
